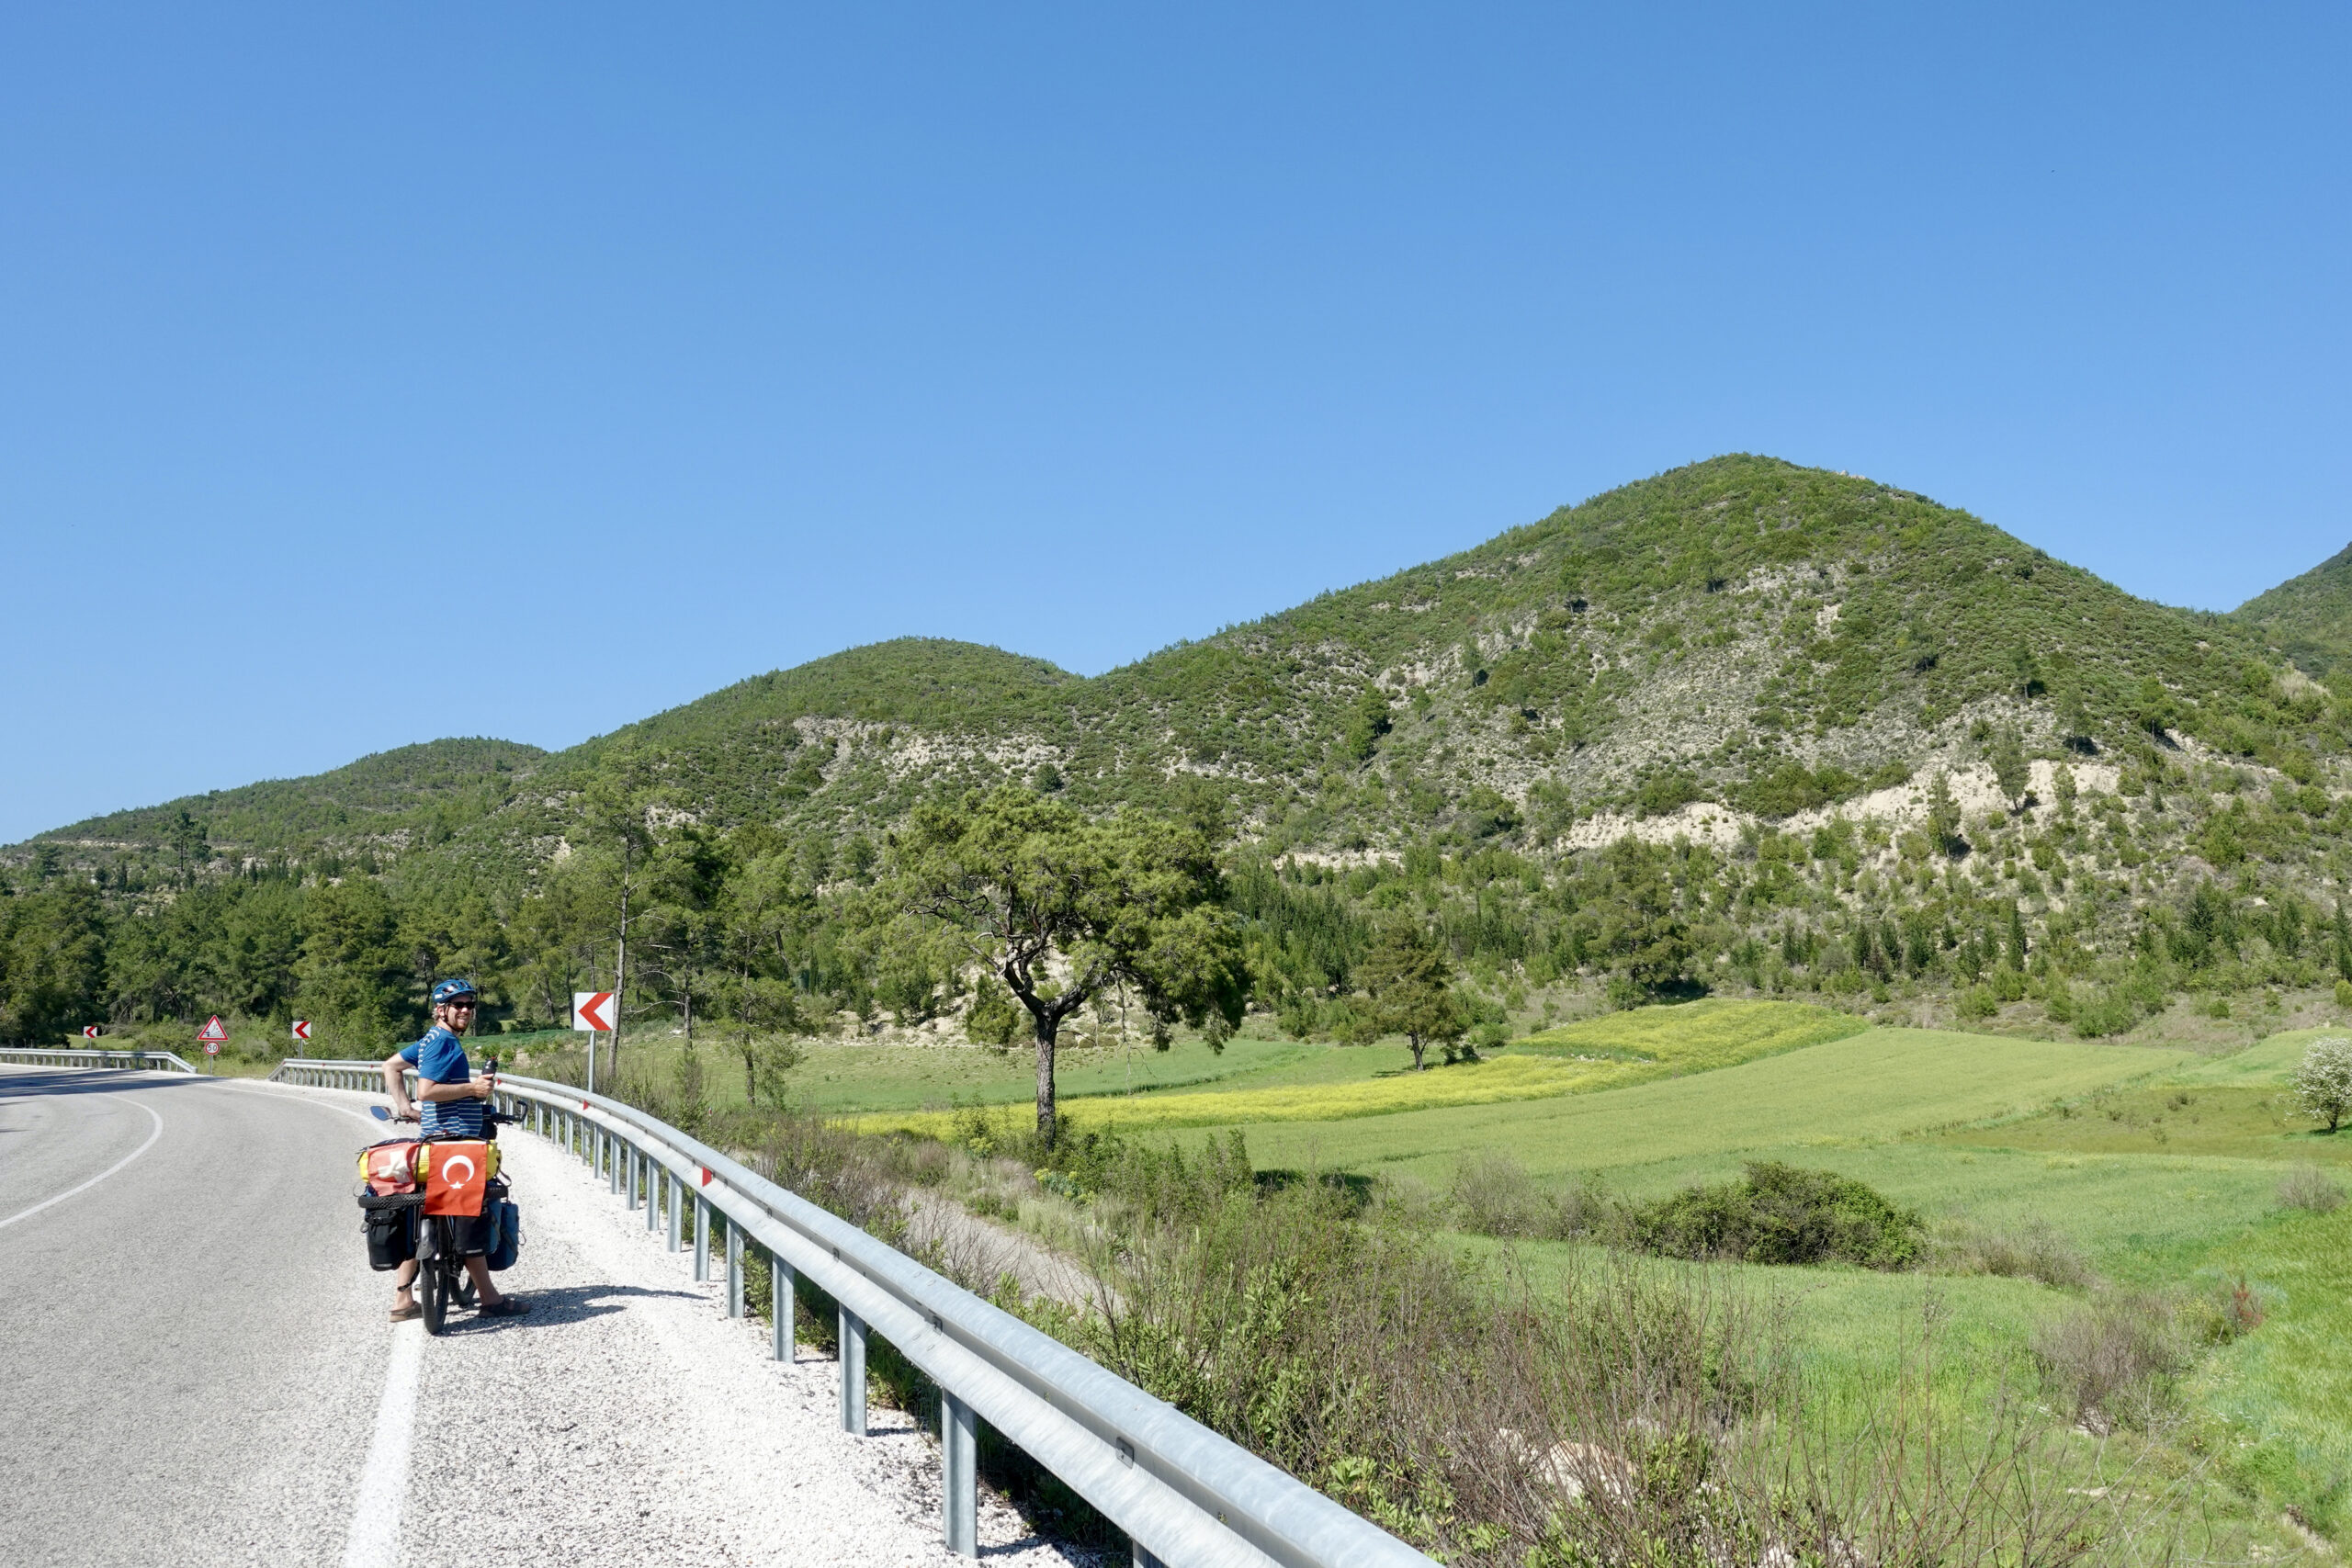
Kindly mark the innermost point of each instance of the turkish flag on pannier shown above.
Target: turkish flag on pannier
(455, 1178)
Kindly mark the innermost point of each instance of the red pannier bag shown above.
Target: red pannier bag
(389, 1169)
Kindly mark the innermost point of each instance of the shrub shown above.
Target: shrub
(2113, 1360)
(1780, 1213)
(1620, 1414)
(2035, 1250)
(2308, 1187)
(2104, 1012)
(1492, 1196)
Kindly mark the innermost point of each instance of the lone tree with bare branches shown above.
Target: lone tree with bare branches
(1059, 906)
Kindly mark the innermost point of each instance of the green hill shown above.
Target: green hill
(410, 795)
(1741, 631)
(2307, 618)
(1782, 730)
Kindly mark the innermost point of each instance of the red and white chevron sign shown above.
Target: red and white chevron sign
(592, 1010)
(301, 1028)
(89, 1032)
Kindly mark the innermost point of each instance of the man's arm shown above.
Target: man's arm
(440, 1093)
(396, 1086)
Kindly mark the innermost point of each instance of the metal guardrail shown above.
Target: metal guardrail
(132, 1060)
(1184, 1493)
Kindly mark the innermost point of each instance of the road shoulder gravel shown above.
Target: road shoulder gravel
(627, 1419)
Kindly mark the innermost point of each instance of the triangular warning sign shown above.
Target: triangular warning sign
(213, 1029)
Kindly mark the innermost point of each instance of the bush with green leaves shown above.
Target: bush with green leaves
(1780, 1213)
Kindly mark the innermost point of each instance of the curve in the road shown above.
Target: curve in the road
(85, 1187)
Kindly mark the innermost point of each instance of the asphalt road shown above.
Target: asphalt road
(194, 1346)
(195, 1367)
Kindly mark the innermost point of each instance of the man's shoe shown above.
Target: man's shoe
(506, 1306)
(407, 1313)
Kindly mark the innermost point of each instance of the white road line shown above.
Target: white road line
(375, 1539)
(302, 1097)
(36, 1208)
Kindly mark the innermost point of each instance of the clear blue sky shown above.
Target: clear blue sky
(371, 373)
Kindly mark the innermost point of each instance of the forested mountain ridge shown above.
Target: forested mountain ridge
(420, 793)
(1690, 637)
(2307, 618)
(1700, 635)
(1742, 723)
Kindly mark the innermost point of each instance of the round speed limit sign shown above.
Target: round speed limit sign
(212, 1047)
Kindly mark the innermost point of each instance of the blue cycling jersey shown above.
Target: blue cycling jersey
(440, 1057)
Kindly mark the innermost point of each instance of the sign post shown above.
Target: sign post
(593, 1012)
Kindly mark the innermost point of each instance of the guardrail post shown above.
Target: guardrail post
(652, 1198)
(674, 1195)
(702, 1241)
(959, 1481)
(852, 1336)
(616, 1163)
(781, 1281)
(628, 1179)
(1143, 1557)
(734, 1270)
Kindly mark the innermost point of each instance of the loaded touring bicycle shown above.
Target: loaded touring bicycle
(437, 1199)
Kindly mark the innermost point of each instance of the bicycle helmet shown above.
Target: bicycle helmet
(453, 990)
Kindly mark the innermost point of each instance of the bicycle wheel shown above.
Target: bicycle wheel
(433, 1286)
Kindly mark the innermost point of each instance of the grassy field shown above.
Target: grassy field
(1851, 1326)
(846, 1079)
(2172, 1118)
(1871, 1087)
(2266, 1063)
(1337, 1084)
(1695, 1037)
(2281, 1398)
(2162, 1167)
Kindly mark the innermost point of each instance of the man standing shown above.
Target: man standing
(453, 1108)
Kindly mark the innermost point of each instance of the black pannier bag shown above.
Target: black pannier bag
(390, 1224)
(503, 1224)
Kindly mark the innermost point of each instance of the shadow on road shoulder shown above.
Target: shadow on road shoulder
(561, 1306)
